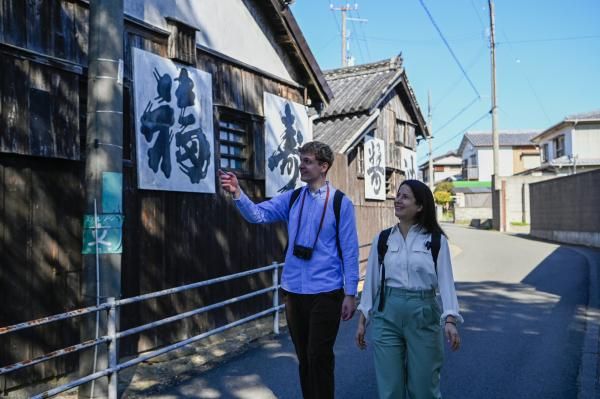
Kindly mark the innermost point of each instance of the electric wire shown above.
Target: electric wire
(459, 113)
(487, 114)
(449, 48)
(535, 94)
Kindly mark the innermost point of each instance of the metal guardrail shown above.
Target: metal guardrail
(113, 335)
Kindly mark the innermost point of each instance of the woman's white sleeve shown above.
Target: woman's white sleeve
(446, 283)
(371, 282)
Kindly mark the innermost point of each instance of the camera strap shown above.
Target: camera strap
(322, 216)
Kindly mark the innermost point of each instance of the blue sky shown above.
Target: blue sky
(547, 55)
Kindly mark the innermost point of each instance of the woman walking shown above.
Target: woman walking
(408, 264)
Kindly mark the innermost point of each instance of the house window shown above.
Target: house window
(234, 143)
(399, 132)
(181, 45)
(559, 146)
(546, 152)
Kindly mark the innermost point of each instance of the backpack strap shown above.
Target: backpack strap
(381, 251)
(337, 208)
(436, 238)
(293, 198)
(338, 197)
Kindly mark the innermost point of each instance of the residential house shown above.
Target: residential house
(246, 49)
(570, 146)
(371, 101)
(517, 153)
(446, 166)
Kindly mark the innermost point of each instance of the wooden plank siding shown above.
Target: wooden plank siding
(169, 238)
(373, 215)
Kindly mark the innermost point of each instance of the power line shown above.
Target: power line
(365, 37)
(356, 41)
(537, 98)
(449, 48)
(459, 113)
(483, 27)
(462, 131)
(550, 39)
(457, 82)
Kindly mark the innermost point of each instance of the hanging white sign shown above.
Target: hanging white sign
(286, 127)
(374, 169)
(173, 125)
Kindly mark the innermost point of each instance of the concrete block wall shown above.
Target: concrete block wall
(566, 209)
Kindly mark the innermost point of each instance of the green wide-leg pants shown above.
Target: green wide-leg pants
(408, 345)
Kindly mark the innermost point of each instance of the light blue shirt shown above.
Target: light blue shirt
(325, 271)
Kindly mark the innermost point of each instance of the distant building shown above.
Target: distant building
(570, 146)
(517, 153)
(371, 102)
(445, 166)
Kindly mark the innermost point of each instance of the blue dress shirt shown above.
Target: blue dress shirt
(325, 271)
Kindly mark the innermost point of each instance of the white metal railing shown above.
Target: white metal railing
(112, 336)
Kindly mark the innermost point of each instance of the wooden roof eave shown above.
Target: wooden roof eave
(401, 79)
(415, 106)
(303, 51)
(351, 143)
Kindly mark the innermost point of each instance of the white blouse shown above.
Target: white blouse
(409, 265)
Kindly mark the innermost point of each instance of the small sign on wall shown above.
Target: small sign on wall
(374, 169)
(287, 128)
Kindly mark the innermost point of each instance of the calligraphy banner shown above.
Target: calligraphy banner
(287, 127)
(408, 162)
(374, 169)
(173, 125)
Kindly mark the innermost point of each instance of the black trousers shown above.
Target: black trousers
(313, 321)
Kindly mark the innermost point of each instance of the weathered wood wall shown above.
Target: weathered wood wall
(170, 238)
(372, 216)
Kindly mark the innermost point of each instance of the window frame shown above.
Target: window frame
(246, 122)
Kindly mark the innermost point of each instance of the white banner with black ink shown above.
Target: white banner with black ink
(173, 125)
(286, 128)
(374, 169)
(408, 161)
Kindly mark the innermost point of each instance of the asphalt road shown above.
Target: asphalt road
(523, 304)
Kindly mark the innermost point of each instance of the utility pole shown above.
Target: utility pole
(345, 18)
(429, 138)
(103, 219)
(495, 136)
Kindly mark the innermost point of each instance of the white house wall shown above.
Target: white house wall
(226, 26)
(586, 141)
(486, 163)
(567, 132)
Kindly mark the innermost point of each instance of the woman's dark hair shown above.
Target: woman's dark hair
(426, 218)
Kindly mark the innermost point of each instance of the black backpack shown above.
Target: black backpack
(382, 247)
(337, 206)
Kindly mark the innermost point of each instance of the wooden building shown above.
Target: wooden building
(371, 101)
(170, 238)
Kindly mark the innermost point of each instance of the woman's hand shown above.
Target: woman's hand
(451, 333)
(360, 332)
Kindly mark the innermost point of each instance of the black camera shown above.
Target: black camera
(302, 252)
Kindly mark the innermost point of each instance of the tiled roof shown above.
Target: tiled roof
(359, 88)
(506, 138)
(585, 116)
(337, 132)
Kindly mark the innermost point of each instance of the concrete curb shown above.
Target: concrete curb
(589, 371)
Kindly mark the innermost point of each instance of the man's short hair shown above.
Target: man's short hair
(321, 151)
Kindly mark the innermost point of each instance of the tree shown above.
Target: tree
(443, 194)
